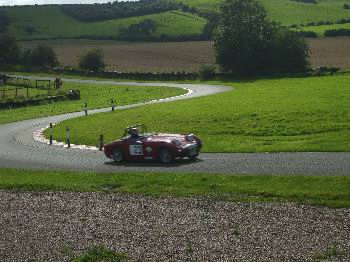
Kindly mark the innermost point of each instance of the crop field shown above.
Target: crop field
(180, 56)
(95, 95)
(290, 114)
(50, 22)
(136, 57)
(332, 51)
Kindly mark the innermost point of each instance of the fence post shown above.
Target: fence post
(51, 133)
(101, 143)
(16, 91)
(68, 136)
(85, 109)
(113, 104)
(27, 92)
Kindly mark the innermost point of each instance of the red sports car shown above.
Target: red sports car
(136, 145)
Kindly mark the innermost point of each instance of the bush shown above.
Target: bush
(324, 70)
(4, 21)
(9, 50)
(346, 6)
(92, 60)
(40, 56)
(141, 31)
(309, 34)
(206, 72)
(337, 32)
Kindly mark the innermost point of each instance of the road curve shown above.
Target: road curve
(18, 149)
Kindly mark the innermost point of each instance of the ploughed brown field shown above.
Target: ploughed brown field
(180, 56)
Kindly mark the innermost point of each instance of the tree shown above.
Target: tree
(9, 50)
(4, 21)
(92, 60)
(43, 56)
(247, 43)
(140, 31)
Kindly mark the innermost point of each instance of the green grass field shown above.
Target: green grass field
(96, 95)
(332, 191)
(289, 114)
(289, 12)
(51, 22)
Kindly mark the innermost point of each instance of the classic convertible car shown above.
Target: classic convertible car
(136, 145)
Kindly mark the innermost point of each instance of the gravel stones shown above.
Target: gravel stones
(58, 226)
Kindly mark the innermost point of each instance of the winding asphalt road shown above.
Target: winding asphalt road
(18, 149)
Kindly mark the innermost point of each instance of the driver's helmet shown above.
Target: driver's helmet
(134, 131)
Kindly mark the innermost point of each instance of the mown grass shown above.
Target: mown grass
(331, 191)
(95, 95)
(51, 22)
(288, 114)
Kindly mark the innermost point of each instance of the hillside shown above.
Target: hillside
(47, 22)
(290, 12)
(51, 21)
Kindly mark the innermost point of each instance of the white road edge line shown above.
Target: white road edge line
(39, 136)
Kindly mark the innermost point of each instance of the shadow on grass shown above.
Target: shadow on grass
(153, 163)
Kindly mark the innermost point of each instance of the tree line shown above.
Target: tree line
(100, 12)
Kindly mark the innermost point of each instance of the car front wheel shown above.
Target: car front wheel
(117, 155)
(165, 156)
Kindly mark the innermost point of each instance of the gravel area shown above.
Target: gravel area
(57, 226)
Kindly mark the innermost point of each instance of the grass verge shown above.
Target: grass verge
(331, 191)
(271, 115)
(95, 95)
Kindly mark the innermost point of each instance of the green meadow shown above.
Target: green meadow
(95, 95)
(267, 115)
(290, 12)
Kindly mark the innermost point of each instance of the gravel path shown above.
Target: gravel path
(57, 226)
(19, 150)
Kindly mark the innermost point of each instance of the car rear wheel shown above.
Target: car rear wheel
(165, 156)
(193, 158)
(117, 155)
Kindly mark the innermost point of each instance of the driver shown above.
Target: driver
(134, 132)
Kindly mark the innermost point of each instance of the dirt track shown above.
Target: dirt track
(182, 56)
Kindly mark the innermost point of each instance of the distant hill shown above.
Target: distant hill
(50, 22)
(163, 20)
